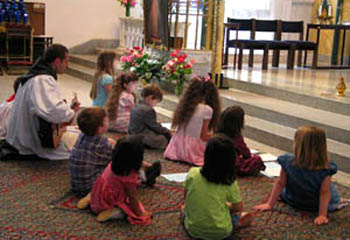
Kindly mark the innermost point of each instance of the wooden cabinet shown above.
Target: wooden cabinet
(36, 12)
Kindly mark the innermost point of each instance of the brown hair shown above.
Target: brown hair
(117, 89)
(197, 92)
(154, 90)
(231, 121)
(310, 148)
(90, 119)
(104, 65)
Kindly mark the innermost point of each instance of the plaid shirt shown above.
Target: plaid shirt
(88, 159)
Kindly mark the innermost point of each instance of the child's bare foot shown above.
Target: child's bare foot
(84, 202)
(246, 219)
(113, 213)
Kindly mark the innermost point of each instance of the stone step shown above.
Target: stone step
(80, 71)
(274, 134)
(84, 60)
(328, 103)
(337, 126)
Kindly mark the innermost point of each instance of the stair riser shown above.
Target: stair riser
(83, 62)
(80, 74)
(287, 120)
(311, 101)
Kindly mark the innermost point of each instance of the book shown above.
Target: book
(175, 177)
(272, 169)
(267, 157)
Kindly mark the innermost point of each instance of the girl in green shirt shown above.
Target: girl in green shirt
(213, 204)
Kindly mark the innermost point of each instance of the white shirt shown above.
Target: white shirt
(39, 96)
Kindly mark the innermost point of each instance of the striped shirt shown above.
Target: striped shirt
(126, 103)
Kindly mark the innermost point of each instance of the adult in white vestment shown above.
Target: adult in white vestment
(38, 95)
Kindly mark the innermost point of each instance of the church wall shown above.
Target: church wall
(73, 22)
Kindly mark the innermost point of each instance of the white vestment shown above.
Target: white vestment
(39, 96)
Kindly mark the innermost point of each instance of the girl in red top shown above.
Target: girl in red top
(231, 123)
(114, 193)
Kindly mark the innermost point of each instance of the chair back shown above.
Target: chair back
(244, 25)
(293, 27)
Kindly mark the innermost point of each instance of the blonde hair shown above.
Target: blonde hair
(117, 89)
(310, 148)
(104, 66)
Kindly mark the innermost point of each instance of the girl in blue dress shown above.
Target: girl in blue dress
(305, 177)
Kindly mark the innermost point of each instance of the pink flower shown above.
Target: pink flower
(124, 59)
(133, 3)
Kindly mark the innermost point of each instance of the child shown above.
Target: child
(91, 152)
(102, 84)
(213, 204)
(120, 101)
(143, 119)
(5, 110)
(114, 192)
(305, 178)
(195, 117)
(231, 123)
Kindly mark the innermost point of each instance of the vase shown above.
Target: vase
(127, 11)
(341, 87)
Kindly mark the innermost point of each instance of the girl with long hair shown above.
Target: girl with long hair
(121, 100)
(305, 177)
(195, 118)
(103, 79)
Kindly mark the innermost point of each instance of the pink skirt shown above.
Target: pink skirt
(186, 149)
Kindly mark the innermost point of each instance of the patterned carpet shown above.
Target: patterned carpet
(35, 203)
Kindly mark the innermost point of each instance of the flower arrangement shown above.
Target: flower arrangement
(127, 4)
(177, 69)
(146, 66)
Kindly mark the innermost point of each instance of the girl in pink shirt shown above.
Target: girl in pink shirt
(121, 100)
(195, 118)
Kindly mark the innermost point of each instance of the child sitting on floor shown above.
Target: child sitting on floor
(121, 100)
(305, 177)
(103, 79)
(114, 192)
(213, 204)
(91, 152)
(195, 118)
(143, 119)
(231, 123)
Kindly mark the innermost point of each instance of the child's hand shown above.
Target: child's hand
(262, 207)
(321, 220)
(146, 214)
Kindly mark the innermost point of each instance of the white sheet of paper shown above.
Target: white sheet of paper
(254, 151)
(166, 125)
(267, 157)
(175, 177)
(272, 169)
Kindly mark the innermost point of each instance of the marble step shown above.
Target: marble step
(276, 135)
(81, 71)
(328, 102)
(84, 60)
(337, 126)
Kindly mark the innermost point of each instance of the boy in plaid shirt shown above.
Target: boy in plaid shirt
(92, 151)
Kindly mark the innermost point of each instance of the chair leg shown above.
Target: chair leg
(291, 58)
(276, 58)
(265, 59)
(235, 59)
(240, 58)
(300, 52)
(251, 58)
(314, 59)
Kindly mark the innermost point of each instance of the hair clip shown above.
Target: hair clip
(201, 78)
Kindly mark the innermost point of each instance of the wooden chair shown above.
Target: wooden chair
(247, 25)
(298, 45)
